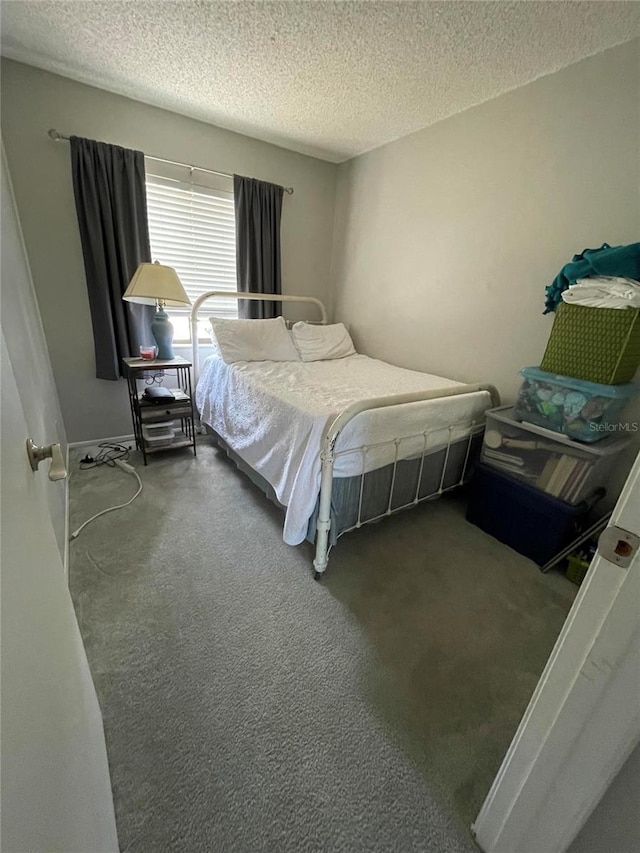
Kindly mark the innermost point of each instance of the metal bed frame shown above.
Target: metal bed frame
(329, 455)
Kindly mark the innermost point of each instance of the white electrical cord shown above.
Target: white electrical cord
(130, 470)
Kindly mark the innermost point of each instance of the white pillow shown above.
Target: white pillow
(214, 342)
(317, 343)
(253, 340)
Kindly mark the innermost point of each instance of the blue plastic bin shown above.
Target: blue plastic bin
(528, 520)
(575, 407)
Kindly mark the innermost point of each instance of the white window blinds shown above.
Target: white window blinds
(192, 228)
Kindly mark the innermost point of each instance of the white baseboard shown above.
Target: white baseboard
(117, 439)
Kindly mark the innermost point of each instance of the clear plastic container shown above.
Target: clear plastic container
(151, 430)
(158, 435)
(580, 409)
(562, 468)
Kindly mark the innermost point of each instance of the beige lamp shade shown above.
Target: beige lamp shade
(154, 282)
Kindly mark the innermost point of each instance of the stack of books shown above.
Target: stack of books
(509, 463)
(564, 476)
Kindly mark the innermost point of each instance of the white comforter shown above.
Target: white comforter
(273, 414)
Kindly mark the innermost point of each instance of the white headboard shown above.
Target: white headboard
(234, 294)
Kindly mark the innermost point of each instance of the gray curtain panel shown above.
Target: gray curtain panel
(111, 203)
(258, 207)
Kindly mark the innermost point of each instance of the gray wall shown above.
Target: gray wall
(445, 239)
(34, 101)
(614, 825)
(24, 336)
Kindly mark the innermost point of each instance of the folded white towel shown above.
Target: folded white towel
(604, 292)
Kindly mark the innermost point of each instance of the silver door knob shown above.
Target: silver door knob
(37, 454)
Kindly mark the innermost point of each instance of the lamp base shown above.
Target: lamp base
(162, 331)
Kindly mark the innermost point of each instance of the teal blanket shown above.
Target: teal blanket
(607, 260)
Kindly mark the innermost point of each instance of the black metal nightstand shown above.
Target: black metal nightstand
(148, 415)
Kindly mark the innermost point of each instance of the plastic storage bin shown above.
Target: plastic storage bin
(158, 435)
(598, 344)
(529, 521)
(548, 461)
(582, 410)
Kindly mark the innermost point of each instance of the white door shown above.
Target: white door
(583, 720)
(56, 793)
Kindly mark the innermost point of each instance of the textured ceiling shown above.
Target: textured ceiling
(323, 78)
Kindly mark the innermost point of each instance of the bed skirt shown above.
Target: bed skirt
(345, 497)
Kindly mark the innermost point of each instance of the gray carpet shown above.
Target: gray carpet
(249, 708)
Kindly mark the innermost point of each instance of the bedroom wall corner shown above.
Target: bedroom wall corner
(445, 240)
(340, 234)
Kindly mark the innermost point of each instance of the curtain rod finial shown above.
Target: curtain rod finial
(54, 134)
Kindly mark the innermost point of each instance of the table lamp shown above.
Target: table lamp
(155, 284)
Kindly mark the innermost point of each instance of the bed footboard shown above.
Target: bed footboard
(328, 457)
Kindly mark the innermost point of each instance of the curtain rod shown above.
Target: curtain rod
(57, 137)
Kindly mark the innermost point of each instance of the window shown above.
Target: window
(192, 228)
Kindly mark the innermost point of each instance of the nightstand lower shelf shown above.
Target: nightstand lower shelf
(175, 445)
